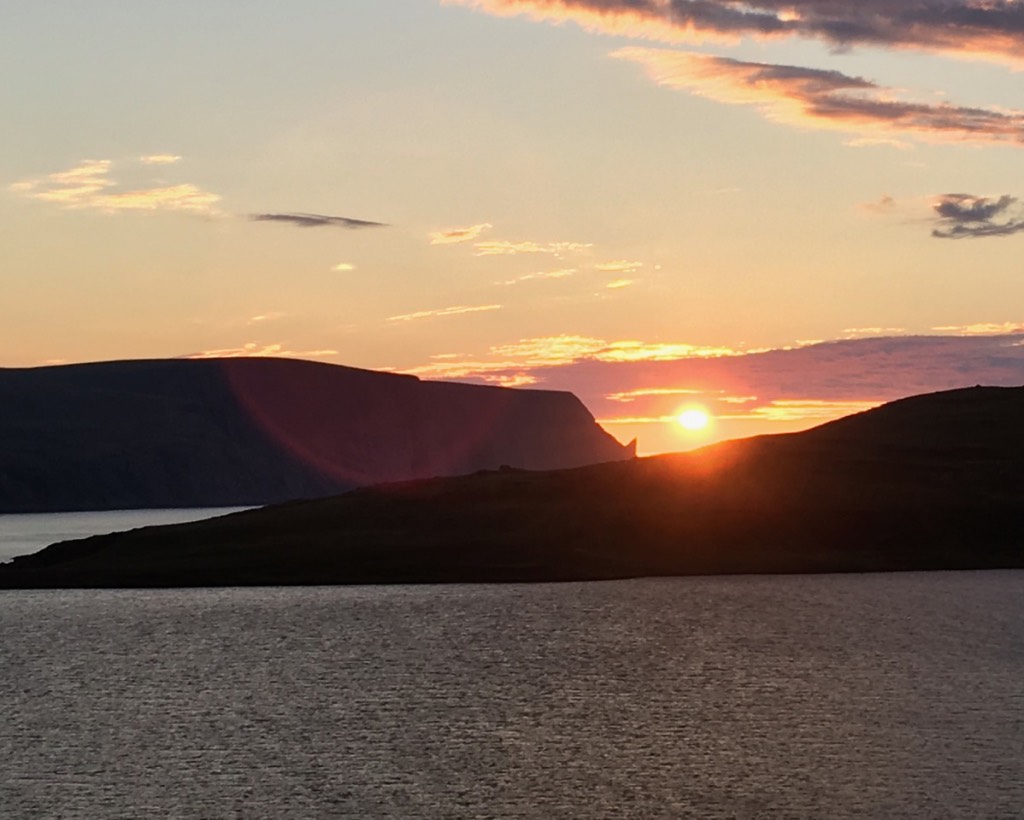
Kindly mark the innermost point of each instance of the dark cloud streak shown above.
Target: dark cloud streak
(965, 216)
(981, 28)
(317, 221)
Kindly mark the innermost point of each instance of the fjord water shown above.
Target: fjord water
(806, 696)
(25, 533)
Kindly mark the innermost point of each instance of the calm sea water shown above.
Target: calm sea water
(23, 534)
(869, 696)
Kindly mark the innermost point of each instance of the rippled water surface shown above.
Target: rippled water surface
(874, 696)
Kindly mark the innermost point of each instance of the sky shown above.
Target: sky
(782, 212)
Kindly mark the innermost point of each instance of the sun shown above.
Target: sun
(693, 419)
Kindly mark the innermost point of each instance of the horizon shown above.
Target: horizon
(653, 207)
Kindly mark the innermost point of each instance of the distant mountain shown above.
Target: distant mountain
(930, 482)
(225, 432)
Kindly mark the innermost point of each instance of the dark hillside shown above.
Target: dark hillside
(184, 433)
(925, 483)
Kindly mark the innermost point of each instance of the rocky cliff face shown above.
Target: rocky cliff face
(181, 433)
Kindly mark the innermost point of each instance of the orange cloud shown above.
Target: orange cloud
(983, 329)
(251, 349)
(813, 98)
(818, 410)
(619, 266)
(456, 235)
(562, 273)
(636, 351)
(448, 311)
(506, 248)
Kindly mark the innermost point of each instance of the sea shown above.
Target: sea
(843, 696)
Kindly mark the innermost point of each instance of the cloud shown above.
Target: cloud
(632, 395)
(266, 317)
(89, 185)
(983, 329)
(882, 205)
(562, 273)
(456, 235)
(506, 248)
(344, 267)
(317, 221)
(875, 331)
(869, 369)
(817, 410)
(872, 142)
(252, 349)
(783, 388)
(159, 159)
(815, 98)
(637, 351)
(456, 310)
(566, 349)
(980, 29)
(619, 266)
(618, 284)
(962, 216)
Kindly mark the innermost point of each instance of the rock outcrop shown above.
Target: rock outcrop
(191, 433)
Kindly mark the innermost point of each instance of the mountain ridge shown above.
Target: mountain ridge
(249, 431)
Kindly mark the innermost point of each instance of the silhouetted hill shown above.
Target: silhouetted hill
(932, 482)
(189, 433)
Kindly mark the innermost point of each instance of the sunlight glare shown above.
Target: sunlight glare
(693, 419)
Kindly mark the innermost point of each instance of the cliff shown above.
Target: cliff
(188, 433)
(931, 482)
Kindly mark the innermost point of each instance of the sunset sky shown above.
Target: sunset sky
(780, 211)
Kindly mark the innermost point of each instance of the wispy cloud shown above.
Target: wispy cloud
(317, 221)
(874, 331)
(89, 185)
(802, 410)
(983, 329)
(982, 29)
(963, 216)
(159, 159)
(456, 310)
(561, 273)
(344, 267)
(619, 284)
(556, 351)
(456, 235)
(253, 349)
(632, 395)
(619, 266)
(815, 98)
(266, 317)
(506, 248)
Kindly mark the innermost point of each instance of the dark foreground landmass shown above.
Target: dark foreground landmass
(244, 432)
(930, 482)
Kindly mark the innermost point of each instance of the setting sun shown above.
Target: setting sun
(694, 418)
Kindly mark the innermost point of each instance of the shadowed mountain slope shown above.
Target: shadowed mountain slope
(931, 482)
(186, 433)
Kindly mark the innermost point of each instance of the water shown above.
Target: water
(870, 696)
(24, 534)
